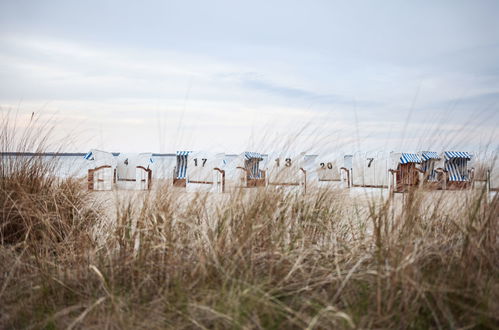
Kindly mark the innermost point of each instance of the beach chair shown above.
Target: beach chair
(429, 165)
(180, 170)
(101, 174)
(243, 170)
(134, 171)
(329, 170)
(404, 171)
(456, 171)
(370, 170)
(204, 172)
(287, 171)
(164, 165)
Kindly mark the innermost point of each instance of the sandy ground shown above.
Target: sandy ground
(113, 200)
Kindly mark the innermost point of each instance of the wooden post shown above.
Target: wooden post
(348, 175)
(90, 179)
(305, 187)
(223, 178)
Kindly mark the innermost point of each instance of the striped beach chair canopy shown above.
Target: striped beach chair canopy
(456, 165)
(252, 155)
(407, 158)
(427, 155)
(456, 154)
(252, 163)
(429, 160)
(182, 164)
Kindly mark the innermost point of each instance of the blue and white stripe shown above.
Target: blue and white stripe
(456, 154)
(427, 155)
(181, 168)
(89, 156)
(428, 164)
(251, 155)
(457, 169)
(409, 158)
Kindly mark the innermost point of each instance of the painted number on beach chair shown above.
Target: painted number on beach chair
(287, 162)
(370, 161)
(328, 165)
(196, 161)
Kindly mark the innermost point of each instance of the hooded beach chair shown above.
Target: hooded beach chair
(204, 172)
(101, 173)
(180, 170)
(404, 170)
(370, 170)
(330, 170)
(243, 170)
(458, 174)
(429, 165)
(134, 171)
(287, 171)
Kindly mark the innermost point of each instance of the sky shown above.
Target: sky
(230, 76)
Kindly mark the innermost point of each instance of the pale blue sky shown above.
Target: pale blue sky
(167, 75)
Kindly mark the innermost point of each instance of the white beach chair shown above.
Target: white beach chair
(163, 166)
(101, 174)
(328, 168)
(370, 170)
(287, 171)
(204, 172)
(134, 171)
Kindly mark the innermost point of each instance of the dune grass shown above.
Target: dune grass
(248, 259)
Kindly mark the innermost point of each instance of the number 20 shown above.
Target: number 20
(329, 165)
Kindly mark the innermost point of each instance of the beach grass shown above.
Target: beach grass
(258, 258)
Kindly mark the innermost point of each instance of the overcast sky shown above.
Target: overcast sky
(222, 75)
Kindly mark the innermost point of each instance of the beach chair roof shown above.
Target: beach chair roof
(456, 154)
(427, 155)
(252, 155)
(183, 153)
(99, 157)
(407, 158)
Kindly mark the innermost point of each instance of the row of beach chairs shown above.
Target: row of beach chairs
(208, 171)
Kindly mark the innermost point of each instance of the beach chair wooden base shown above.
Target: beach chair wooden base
(283, 184)
(252, 183)
(432, 185)
(369, 186)
(179, 183)
(454, 185)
